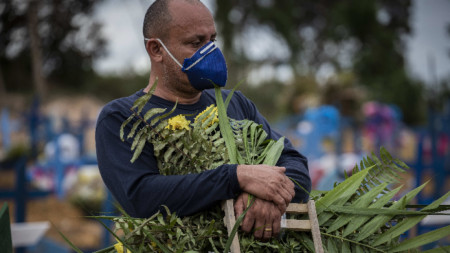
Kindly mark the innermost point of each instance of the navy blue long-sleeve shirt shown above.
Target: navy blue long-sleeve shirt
(142, 191)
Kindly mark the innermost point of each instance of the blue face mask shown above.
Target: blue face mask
(205, 68)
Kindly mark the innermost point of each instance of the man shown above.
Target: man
(174, 31)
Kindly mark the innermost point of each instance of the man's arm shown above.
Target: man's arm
(295, 163)
(297, 170)
(263, 211)
(139, 187)
(141, 190)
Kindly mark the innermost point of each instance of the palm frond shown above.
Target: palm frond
(422, 239)
(388, 170)
(407, 223)
(365, 217)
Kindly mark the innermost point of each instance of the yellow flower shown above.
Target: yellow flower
(178, 122)
(211, 112)
(119, 248)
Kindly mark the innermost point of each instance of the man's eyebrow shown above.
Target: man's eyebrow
(202, 36)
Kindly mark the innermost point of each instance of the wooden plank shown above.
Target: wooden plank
(295, 208)
(230, 220)
(315, 227)
(5, 230)
(298, 225)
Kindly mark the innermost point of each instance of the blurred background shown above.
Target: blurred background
(339, 78)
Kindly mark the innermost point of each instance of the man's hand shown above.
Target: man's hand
(263, 216)
(267, 183)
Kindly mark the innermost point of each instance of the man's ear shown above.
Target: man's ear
(154, 50)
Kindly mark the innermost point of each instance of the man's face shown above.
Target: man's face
(192, 26)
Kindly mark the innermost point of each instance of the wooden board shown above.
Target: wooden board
(230, 220)
(310, 224)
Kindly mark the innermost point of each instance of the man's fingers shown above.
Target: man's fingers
(280, 169)
(276, 225)
(238, 207)
(260, 228)
(238, 212)
(263, 219)
(290, 187)
(247, 223)
(286, 195)
(240, 204)
(267, 232)
(280, 202)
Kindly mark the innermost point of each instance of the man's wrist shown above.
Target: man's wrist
(234, 180)
(241, 175)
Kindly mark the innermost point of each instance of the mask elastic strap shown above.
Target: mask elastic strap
(201, 58)
(167, 50)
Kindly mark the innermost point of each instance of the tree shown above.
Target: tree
(35, 48)
(60, 35)
(363, 37)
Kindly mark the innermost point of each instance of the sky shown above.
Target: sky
(430, 43)
(428, 48)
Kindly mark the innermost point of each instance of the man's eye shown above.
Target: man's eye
(196, 43)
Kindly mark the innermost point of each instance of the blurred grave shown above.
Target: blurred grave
(433, 163)
(60, 161)
(334, 143)
(330, 141)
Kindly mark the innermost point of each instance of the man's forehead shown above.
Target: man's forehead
(184, 12)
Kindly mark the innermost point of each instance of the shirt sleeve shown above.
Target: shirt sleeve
(295, 163)
(142, 191)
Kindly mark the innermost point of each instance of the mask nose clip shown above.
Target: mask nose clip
(208, 47)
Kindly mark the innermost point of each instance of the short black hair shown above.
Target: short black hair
(158, 17)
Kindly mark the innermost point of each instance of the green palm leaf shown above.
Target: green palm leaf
(422, 239)
(225, 129)
(385, 170)
(407, 223)
(274, 153)
(140, 102)
(363, 201)
(360, 220)
(340, 193)
(381, 220)
(444, 249)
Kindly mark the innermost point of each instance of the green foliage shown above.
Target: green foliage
(170, 233)
(201, 147)
(226, 130)
(351, 221)
(358, 215)
(386, 170)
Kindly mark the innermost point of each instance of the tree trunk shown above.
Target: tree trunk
(35, 46)
(2, 87)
